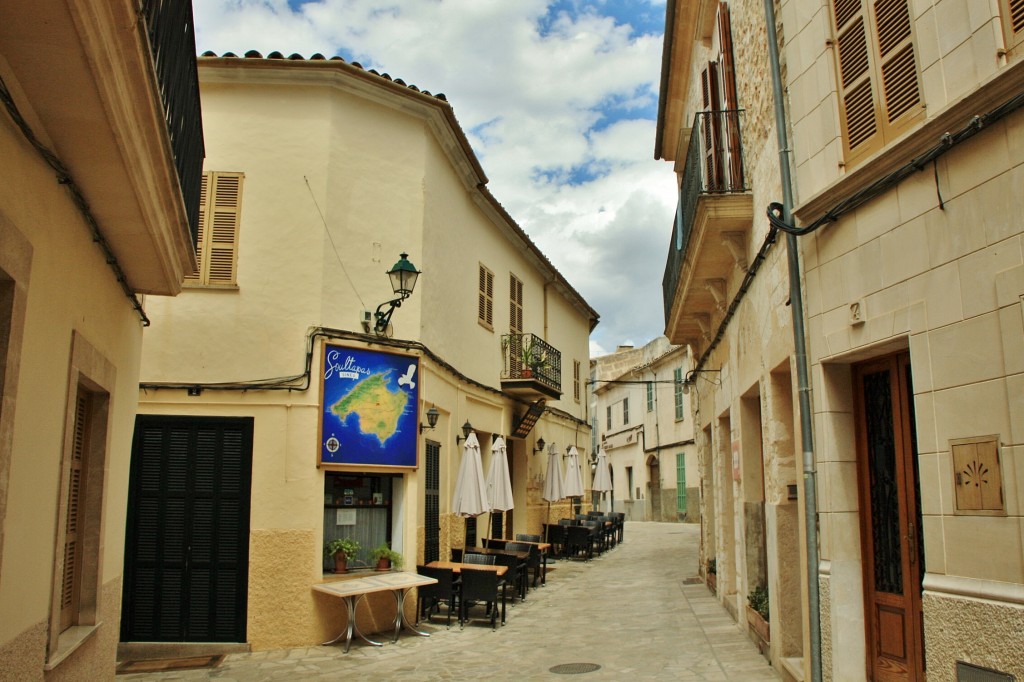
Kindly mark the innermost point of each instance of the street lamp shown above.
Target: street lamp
(432, 415)
(467, 429)
(403, 280)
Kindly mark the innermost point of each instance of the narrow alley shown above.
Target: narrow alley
(638, 612)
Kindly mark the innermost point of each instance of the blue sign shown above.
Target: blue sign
(369, 407)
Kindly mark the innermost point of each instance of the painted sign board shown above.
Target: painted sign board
(369, 403)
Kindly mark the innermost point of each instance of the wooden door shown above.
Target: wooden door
(187, 539)
(890, 519)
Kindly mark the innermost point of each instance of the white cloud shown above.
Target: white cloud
(528, 88)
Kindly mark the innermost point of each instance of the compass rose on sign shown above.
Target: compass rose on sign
(332, 445)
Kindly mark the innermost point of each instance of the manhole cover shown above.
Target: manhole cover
(575, 668)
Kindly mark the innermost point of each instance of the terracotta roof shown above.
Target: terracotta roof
(317, 57)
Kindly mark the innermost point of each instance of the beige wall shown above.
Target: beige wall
(942, 281)
(387, 176)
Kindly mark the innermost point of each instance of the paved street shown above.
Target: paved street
(631, 612)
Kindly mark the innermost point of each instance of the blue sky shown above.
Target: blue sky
(558, 99)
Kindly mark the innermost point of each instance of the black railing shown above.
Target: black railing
(171, 30)
(527, 356)
(714, 165)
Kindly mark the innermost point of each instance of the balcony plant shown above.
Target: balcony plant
(385, 557)
(343, 550)
(532, 357)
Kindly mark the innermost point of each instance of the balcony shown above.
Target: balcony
(530, 367)
(110, 87)
(711, 227)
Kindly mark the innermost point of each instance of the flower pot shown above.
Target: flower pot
(758, 625)
(383, 564)
(712, 581)
(527, 373)
(340, 562)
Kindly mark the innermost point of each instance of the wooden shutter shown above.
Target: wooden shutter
(711, 134)
(220, 203)
(730, 148)
(75, 517)
(878, 78)
(1013, 21)
(485, 297)
(515, 308)
(432, 504)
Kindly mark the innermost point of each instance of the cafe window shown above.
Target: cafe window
(359, 507)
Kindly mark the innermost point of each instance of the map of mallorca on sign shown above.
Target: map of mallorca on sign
(369, 408)
(377, 406)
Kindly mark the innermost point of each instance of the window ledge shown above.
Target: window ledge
(68, 642)
(210, 287)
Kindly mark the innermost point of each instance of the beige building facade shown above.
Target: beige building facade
(906, 137)
(643, 424)
(94, 215)
(329, 172)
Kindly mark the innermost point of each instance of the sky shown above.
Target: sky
(558, 99)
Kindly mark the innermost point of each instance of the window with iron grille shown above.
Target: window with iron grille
(876, 65)
(220, 210)
(650, 396)
(432, 504)
(485, 298)
(677, 385)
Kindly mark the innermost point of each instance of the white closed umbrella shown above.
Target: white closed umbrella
(470, 497)
(499, 483)
(553, 488)
(602, 474)
(573, 477)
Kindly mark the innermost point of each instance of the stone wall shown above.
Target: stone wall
(984, 633)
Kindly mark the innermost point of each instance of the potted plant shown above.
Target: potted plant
(342, 549)
(532, 357)
(386, 557)
(757, 613)
(711, 575)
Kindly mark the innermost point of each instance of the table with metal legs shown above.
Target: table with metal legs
(352, 591)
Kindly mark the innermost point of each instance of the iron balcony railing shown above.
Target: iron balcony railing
(171, 30)
(714, 165)
(527, 356)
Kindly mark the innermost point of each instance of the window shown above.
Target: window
(629, 482)
(220, 210)
(681, 483)
(576, 389)
(432, 504)
(877, 71)
(650, 396)
(485, 298)
(625, 410)
(1013, 21)
(608, 419)
(515, 305)
(677, 385)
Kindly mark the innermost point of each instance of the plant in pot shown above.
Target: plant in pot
(386, 557)
(342, 549)
(758, 613)
(532, 357)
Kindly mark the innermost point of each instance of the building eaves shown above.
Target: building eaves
(399, 87)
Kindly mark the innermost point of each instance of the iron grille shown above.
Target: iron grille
(968, 672)
(527, 356)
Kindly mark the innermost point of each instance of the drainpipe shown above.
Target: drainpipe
(800, 343)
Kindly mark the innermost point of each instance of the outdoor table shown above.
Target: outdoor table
(458, 566)
(351, 591)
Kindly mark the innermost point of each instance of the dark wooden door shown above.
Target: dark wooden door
(187, 539)
(890, 518)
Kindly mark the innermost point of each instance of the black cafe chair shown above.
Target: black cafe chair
(446, 590)
(556, 538)
(532, 562)
(513, 574)
(524, 537)
(482, 586)
(482, 559)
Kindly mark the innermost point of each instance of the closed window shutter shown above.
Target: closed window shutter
(485, 297)
(220, 203)
(878, 77)
(71, 579)
(1013, 21)
(731, 148)
(710, 128)
(515, 317)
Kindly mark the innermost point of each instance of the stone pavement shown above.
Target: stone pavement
(631, 612)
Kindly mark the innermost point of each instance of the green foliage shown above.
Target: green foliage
(532, 355)
(758, 600)
(347, 546)
(384, 552)
(713, 566)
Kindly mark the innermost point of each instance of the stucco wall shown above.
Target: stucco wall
(981, 632)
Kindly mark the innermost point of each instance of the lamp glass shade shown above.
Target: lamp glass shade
(432, 415)
(540, 444)
(467, 429)
(403, 276)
